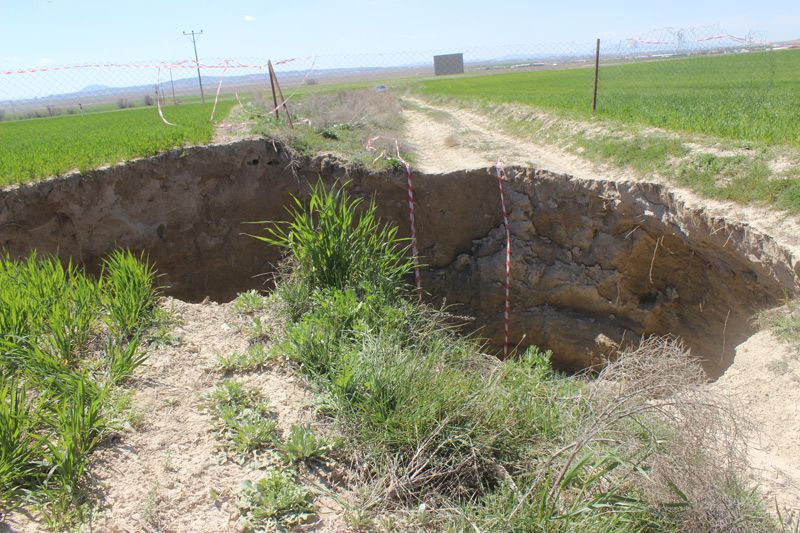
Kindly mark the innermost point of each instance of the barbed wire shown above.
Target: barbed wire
(50, 90)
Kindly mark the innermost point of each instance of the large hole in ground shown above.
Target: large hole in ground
(595, 264)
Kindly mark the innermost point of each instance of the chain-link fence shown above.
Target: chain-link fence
(85, 88)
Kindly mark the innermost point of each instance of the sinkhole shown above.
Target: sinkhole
(595, 264)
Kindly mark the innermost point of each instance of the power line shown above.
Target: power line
(193, 34)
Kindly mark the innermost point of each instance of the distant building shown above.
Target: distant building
(448, 64)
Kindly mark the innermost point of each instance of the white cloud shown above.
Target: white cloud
(14, 59)
(249, 18)
(45, 61)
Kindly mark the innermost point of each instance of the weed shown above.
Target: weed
(258, 330)
(246, 420)
(256, 357)
(161, 333)
(123, 358)
(274, 500)
(303, 445)
(151, 512)
(57, 396)
(249, 302)
(784, 321)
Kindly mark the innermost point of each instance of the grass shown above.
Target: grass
(784, 321)
(461, 441)
(739, 96)
(61, 367)
(342, 122)
(39, 148)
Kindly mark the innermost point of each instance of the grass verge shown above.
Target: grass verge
(737, 171)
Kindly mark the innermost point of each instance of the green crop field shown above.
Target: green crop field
(752, 96)
(37, 148)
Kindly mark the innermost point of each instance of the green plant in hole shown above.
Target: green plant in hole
(339, 243)
(276, 500)
(256, 357)
(249, 302)
(247, 423)
(303, 445)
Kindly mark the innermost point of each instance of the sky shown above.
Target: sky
(48, 32)
(326, 34)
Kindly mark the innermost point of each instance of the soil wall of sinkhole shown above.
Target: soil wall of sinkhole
(595, 264)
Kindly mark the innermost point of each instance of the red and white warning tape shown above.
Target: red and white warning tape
(186, 64)
(411, 218)
(411, 203)
(501, 175)
(158, 100)
(216, 97)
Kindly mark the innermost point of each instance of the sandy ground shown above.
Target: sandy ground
(764, 380)
(171, 473)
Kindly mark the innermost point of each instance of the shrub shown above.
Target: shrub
(148, 100)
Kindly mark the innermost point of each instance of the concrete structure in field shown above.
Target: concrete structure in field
(448, 64)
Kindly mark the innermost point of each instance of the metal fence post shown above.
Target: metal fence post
(596, 71)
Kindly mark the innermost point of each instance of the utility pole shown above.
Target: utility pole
(197, 61)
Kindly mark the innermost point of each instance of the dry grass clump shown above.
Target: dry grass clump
(342, 122)
(358, 108)
(650, 404)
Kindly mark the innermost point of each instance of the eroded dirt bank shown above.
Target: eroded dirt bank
(595, 263)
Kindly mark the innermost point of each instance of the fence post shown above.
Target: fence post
(274, 96)
(596, 71)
